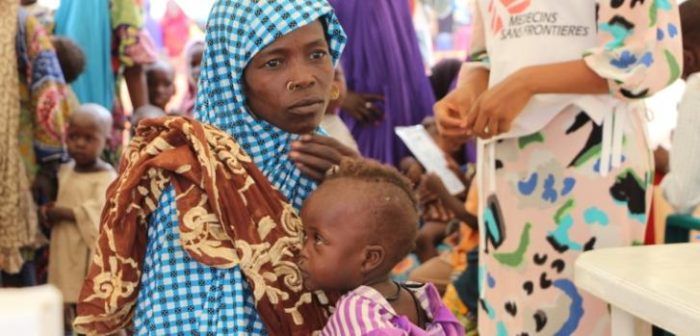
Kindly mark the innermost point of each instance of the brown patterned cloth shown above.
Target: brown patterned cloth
(229, 215)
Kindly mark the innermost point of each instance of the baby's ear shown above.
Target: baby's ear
(374, 257)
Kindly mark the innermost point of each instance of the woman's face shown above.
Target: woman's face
(288, 82)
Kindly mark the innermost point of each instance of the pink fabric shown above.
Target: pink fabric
(364, 311)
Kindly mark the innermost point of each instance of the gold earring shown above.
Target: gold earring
(335, 92)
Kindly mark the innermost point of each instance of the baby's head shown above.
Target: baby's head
(70, 57)
(357, 226)
(690, 26)
(88, 131)
(143, 113)
(160, 77)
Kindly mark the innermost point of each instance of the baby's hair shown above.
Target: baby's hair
(395, 213)
(371, 171)
(70, 56)
(690, 21)
(146, 112)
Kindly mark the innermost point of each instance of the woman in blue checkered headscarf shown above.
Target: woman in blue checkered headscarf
(266, 79)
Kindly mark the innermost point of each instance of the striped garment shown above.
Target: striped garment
(364, 311)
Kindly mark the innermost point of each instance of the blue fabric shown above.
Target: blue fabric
(239, 30)
(177, 294)
(88, 24)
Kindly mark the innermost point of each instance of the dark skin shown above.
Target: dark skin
(475, 110)
(340, 233)
(28, 2)
(691, 57)
(136, 84)
(87, 137)
(302, 58)
(362, 108)
(432, 186)
(161, 86)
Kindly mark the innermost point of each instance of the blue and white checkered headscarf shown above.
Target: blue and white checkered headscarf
(237, 31)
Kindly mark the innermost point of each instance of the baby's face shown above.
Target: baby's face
(334, 240)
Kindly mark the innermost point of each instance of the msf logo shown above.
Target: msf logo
(500, 9)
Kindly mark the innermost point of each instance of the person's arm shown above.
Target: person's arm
(433, 184)
(494, 111)
(632, 61)
(681, 186)
(59, 214)
(473, 80)
(136, 83)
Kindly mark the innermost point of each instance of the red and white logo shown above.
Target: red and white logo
(500, 9)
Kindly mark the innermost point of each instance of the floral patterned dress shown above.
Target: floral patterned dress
(553, 194)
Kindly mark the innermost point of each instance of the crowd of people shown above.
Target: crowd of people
(272, 196)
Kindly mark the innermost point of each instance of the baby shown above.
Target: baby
(352, 245)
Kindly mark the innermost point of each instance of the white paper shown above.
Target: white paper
(430, 155)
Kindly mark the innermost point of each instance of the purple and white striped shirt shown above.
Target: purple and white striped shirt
(364, 311)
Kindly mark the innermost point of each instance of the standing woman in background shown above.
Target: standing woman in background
(553, 90)
(386, 77)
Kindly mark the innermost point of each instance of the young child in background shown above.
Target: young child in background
(351, 247)
(160, 79)
(74, 217)
(332, 123)
(438, 207)
(193, 55)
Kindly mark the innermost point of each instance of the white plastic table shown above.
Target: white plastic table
(658, 284)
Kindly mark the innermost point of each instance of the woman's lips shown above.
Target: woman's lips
(306, 107)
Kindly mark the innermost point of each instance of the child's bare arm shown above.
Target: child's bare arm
(59, 214)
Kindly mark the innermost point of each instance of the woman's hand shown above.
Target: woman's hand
(361, 107)
(494, 111)
(316, 154)
(451, 111)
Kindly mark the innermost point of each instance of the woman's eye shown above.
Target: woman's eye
(272, 64)
(318, 240)
(318, 54)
